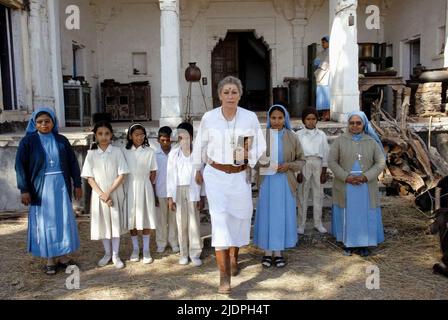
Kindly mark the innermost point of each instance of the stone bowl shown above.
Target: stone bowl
(440, 75)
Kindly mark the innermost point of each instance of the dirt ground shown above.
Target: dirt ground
(316, 268)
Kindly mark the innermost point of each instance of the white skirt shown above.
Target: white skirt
(230, 205)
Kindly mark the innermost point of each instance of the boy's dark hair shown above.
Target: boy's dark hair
(131, 130)
(100, 124)
(187, 127)
(165, 132)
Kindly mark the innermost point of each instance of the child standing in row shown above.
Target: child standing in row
(141, 208)
(166, 222)
(105, 169)
(184, 196)
(314, 173)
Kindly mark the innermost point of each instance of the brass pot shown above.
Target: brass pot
(367, 50)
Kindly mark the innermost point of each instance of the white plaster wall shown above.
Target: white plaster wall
(409, 18)
(318, 26)
(85, 36)
(221, 16)
(130, 27)
(364, 34)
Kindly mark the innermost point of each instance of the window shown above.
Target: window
(139, 63)
(8, 87)
(78, 60)
(415, 54)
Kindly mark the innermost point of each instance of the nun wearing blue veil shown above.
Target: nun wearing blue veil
(356, 159)
(46, 167)
(275, 226)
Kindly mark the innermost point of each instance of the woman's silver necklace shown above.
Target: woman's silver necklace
(232, 137)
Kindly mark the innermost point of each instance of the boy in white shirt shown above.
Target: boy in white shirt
(314, 172)
(184, 196)
(166, 226)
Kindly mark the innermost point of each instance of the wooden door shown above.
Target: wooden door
(312, 53)
(224, 63)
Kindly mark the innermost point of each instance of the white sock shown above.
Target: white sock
(106, 244)
(135, 243)
(268, 253)
(146, 243)
(115, 246)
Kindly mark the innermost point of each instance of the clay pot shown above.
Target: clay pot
(434, 76)
(193, 73)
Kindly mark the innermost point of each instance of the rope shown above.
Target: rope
(432, 203)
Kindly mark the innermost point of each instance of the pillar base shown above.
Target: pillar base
(171, 122)
(339, 117)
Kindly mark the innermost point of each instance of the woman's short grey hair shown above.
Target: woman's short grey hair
(230, 80)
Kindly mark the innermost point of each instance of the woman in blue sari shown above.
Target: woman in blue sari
(276, 218)
(46, 166)
(356, 159)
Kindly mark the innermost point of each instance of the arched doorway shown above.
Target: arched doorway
(244, 56)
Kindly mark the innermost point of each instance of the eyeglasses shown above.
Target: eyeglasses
(44, 121)
(355, 123)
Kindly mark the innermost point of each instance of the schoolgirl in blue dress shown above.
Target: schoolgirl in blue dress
(46, 168)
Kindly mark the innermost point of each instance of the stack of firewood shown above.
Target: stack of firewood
(412, 166)
(428, 99)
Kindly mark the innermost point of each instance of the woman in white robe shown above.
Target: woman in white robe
(230, 142)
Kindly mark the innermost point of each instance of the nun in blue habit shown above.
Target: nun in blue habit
(275, 226)
(322, 74)
(46, 167)
(356, 159)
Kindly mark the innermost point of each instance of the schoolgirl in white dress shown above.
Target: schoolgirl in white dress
(105, 169)
(139, 190)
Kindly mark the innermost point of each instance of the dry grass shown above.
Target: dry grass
(316, 269)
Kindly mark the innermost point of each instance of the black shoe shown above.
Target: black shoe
(348, 252)
(439, 269)
(50, 270)
(364, 252)
(65, 265)
(279, 262)
(266, 262)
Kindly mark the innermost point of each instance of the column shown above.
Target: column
(56, 60)
(46, 77)
(170, 113)
(298, 33)
(343, 60)
(445, 58)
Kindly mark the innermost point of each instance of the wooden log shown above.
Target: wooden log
(439, 163)
(442, 145)
(422, 155)
(437, 204)
(410, 178)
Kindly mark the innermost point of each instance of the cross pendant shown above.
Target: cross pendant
(359, 156)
